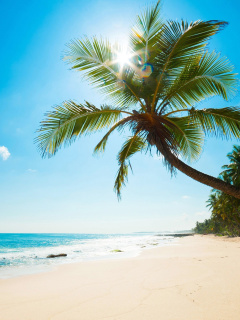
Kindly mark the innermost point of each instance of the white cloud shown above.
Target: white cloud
(4, 153)
(185, 197)
(31, 170)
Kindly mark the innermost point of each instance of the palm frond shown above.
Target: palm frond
(145, 34)
(96, 58)
(232, 170)
(202, 78)
(100, 147)
(181, 41)
(223, 122)
(189, 137)
(130, 147)
(126, 90)
(69, 120)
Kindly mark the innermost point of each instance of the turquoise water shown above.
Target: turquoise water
(27, 253)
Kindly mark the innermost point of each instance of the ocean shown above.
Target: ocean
(22, 254)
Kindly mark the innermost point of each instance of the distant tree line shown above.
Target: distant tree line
(225, 217)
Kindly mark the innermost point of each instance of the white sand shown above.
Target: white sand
(197, 279)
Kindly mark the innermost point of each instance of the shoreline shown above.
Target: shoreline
(198, 279)
(45, 264)
(117, 256)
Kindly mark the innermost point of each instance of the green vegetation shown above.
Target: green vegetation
(116, 250)
(225, 218)
(153, 89)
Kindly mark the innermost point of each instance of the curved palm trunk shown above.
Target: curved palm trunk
(203, 178)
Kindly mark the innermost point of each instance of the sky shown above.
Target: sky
(73, 191)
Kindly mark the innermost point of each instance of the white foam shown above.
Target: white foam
(33, 260)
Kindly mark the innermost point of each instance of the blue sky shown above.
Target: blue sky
(73, 192)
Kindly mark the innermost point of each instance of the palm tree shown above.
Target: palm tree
(225, 209)
(232, 170)
(153, 88)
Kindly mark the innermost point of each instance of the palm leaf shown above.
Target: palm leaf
(130, 147)
(100, 147)
(189, 137)
(145, 34)
(201, 78)
(66, 122)
(126, 90)
(179, 42)
(232, 170)
(96, 58)
(223, 122)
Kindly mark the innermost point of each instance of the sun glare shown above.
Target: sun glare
(123, 57)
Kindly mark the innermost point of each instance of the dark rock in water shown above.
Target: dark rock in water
(176, 235)
(57, 255)
(179, 235)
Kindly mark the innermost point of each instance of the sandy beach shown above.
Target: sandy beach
(199, 278)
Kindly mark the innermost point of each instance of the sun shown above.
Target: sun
(123, 57)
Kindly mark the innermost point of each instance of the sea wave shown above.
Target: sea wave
(29, 255)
